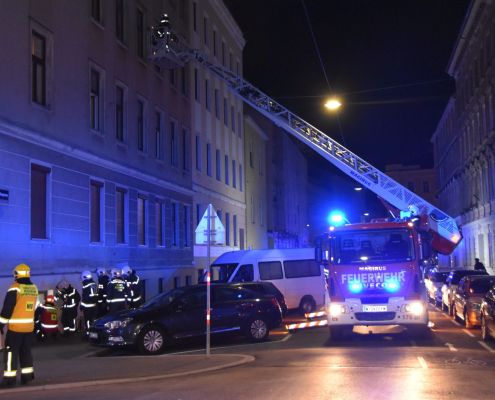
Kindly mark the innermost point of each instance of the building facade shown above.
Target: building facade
(464, 140)
(103, 155)
(420, 181)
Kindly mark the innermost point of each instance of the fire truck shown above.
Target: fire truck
(374, 268)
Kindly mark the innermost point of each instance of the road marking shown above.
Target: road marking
(455, 322)
(413, 343)
(469, 333)
(451, 347)
(285, 338)
(422, 362)
(486, 347)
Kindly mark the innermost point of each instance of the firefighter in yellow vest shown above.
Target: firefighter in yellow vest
(18, 313)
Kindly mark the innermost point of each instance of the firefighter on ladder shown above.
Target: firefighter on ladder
(89, 299)
(18, 312)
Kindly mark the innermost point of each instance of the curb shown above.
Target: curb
(244, 360)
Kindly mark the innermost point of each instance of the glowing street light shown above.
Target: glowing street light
(358, 188)
(333, 104)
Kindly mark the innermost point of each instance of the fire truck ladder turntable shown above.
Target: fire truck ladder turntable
(171, 51)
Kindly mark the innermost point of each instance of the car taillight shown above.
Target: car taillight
(275, 302)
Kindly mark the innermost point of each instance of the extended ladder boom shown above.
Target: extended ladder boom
(173, 52)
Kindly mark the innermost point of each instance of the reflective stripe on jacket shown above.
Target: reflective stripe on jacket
(23, 297)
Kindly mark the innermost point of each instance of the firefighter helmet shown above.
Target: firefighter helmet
(115, 273)
(126, 271)
(22, 271)
(86, 275)
(62, 285)
(50, 299)
(101, 272)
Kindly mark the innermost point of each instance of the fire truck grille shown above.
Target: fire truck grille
(375, 316)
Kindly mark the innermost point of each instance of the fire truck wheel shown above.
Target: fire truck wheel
(336, 332)
(306, 306)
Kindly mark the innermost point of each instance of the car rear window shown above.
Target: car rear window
(440, 276)
(481, 286)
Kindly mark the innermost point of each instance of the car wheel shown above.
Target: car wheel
(336, 332)
(451, 310)
(306, 306)
(257, 329)
(484, 330)
(152, 340)
(469, 325)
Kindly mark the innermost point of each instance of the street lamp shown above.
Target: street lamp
(333, 104)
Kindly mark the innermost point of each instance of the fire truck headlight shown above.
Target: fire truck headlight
(335, 310)
(417, 308)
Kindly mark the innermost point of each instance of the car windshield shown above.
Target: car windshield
(440, 276)
(222, 272)
(372, 246)
(481, 286)
(163, 299)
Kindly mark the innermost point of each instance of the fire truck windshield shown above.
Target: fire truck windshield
(372, 246)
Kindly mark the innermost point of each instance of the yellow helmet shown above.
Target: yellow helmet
(22, 271)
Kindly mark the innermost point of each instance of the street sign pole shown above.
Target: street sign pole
(208, 288)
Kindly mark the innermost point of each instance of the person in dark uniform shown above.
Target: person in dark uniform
(18, 312)
(103, 280)
(478, 266)
(71, 298)
(89, 299)
(134, 284)
(118, 293)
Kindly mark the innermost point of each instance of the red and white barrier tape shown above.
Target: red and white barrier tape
(304, 325)
(316, 314)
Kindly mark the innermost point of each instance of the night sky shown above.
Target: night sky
(366, 44)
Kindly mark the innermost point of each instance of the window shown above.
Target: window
(96, 10)
(217, 103)
(208, 95)
(140, 125)
(187, 241)
(251, 154)
(140, 33)
(227, 229)
(94, 103)
(231, 64)
(410, 186)
(208, 160)
(252, 210)
(38, 60)
(160, 285)
(158, 135)
(121, 199)
(259, 160)
(232, 117)
(174, 220)
(206, 31)
(195, 17)
(241, 181)
(184, 81)
(199, 213)
(173, 78)
(142, 204)
(235, 229)
(239, 125)
(224, 55)
(119, 113)
(426, 187)
(176, 282)
(198, 153)
(270, 270)
(219, 165)
(160, 217)
(261, 212)
(173, 143)
(215, 43)
(238, 70)
(226, 169)
(225, 111)
(119, 20)
(301, 268)
(196, 84)
(39, 201)
(186, 152)
(234, 177)
(96, 216)
(188, 280)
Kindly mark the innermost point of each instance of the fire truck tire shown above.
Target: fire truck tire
(336, 332)
(306, 306)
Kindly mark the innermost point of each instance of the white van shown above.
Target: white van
(293, 271)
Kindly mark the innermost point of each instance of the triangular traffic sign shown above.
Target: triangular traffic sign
(217, 230)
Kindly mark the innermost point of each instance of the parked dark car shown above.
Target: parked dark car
(181, 313)
(468, 297)
(487, 315)
(450, 287)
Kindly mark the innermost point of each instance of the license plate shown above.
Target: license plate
(93, 335)
(374, 308)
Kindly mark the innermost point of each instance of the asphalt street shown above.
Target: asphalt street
(368, 363)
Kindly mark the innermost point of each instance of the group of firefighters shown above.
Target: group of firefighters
(23, 317)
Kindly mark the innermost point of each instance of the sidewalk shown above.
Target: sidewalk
(70, 365)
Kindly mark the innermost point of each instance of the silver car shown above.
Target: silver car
(434, 282)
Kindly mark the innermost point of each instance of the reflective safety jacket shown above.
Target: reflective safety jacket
(19, 306)
(134, 284)
(89, 294)
(102, 288)
(47, 318)
(118, 292)
(70, 297)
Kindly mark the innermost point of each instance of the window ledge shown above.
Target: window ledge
(123, 244)
(98, 24)
(143, 153)
(43, 240)
(142, 61)
(97, 133)
(122, 144)
(96, 243)
(122, 44)
(42, 107)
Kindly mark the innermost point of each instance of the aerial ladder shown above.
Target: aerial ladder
(171, 51)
